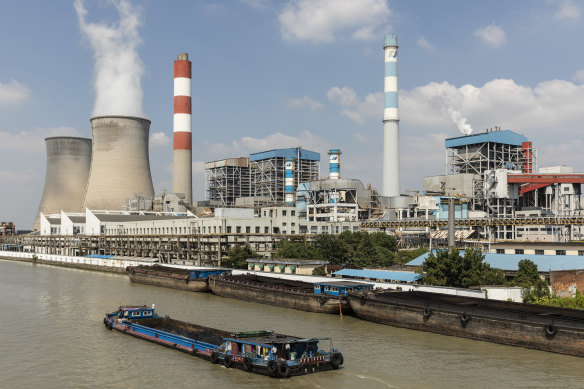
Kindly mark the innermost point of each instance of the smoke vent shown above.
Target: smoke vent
(334, 164)
(390, 120)
(120, 166)
(68, 161)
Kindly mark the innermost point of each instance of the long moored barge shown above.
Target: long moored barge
(559, 330)
(321, 297)
(193, 280)
(263, 352)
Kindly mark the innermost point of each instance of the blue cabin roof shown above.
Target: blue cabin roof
(505, 137)
(284, 153)
(380, 274)
(510, 262)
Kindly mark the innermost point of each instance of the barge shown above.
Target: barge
(193, 280)
(320, 297)
(262, 352)
(558, 330)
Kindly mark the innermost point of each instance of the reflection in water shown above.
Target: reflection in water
(52, 336)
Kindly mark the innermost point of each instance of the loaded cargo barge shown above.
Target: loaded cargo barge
(559, 330)
(320, 297)
(193, 280)
(262, 352)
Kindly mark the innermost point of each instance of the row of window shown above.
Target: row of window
(539, 252)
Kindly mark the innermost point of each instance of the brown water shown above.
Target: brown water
(52, 336)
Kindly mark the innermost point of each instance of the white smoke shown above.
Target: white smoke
(118, 68)
(460, 121)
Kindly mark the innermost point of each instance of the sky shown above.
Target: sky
(268, 74)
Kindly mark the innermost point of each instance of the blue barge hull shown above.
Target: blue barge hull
(263, 352)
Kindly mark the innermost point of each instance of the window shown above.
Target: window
(284, 213)
(500, 251)
(257, 230)
(581, 252)
(136, 314)
(539, 252)
(238, 229)
(560, 252)
(266, 230)
(247, 229)
(229, 229)
(293, 213)
(519, 251)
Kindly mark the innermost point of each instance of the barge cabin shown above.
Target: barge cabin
(341, 288)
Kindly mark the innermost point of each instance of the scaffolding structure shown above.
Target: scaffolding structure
(268, 171)
(227, 180)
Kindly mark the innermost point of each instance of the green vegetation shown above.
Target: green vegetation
(534, 287)
(319, 271)
(449, 268)
(576, 302)
(358, 248)
(236, 256)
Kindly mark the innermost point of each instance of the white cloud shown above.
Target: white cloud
(578, 76)
(356, 108)
(159, 139)
(424, 44)
(492, 35)
(567, 11)
(304, 101)
(32, 141)
(14, 92)
(327, 20)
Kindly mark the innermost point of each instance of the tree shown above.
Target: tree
(236, 257)
(366, 253)
(287, 249)
(319, 271)
(331, 248)
(449, 268)
(527, 277)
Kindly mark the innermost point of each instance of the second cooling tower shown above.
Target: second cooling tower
(120, 167)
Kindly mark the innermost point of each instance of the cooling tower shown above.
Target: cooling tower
(120, 166)
(68, 161)
(182, 163)
(390, 120)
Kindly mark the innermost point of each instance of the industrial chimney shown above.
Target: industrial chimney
(334, 164)
(120, 166)
(289, 181)
(390, 120)
(68, 161)
(182, 175)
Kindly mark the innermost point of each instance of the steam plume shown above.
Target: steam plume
(460, 121)
(118, 68)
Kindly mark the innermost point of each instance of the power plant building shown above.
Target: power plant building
(67, 172)
(227, 180)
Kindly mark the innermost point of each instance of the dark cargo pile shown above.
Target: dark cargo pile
(272, 282)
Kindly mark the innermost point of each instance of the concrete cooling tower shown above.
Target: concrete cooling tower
(68, 161)
(120, 167)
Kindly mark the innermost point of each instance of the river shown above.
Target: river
(52, 336)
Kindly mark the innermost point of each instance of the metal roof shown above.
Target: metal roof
(341, 284)
(506, 137)
(380, 274)
(283, 153)
(136, 218)
(509, 262)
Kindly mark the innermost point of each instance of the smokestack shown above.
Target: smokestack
(68, 161)
(334, 164)
(289, 181)
(390, 120)
(120, 166)
(182, 175)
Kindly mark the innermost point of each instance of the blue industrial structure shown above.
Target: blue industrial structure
(400, 276)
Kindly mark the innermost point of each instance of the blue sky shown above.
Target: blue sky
(297, 73)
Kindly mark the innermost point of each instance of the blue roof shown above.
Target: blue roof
(380, 274)
(509, 262)
(283, 153)
(506, 137)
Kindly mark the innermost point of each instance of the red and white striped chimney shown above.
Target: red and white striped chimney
(182, 178)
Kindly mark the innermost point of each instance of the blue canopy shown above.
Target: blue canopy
(401, 276)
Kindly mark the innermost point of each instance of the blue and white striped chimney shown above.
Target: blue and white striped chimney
(289, 181)
(390, 120)
(334, 164)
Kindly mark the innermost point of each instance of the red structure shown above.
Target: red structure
(527, 157)
(536, 181)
